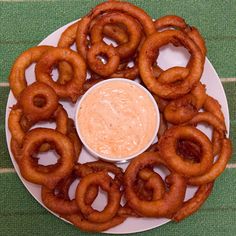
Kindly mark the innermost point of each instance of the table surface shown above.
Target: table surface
(25, 23)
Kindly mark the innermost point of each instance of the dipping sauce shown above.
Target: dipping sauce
(117, 119)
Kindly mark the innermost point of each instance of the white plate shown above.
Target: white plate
(169, 56)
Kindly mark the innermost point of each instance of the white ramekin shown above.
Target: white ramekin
(113, 159)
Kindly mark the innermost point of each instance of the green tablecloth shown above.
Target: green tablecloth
(25, 23)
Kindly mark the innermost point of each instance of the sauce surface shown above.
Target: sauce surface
(117, 119)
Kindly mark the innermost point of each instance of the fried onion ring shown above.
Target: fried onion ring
(17, 78)
(103, 180)
(58, 200)
(63, 146)
(95, 64)
(140, 15)
(168, 145)
(73, 87)
(125, 50)
(34, 112)
(171, 201)
(170, 90)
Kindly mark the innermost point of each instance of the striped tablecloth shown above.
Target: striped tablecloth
(25, 23)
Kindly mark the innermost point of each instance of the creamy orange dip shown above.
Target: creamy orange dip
(117, 119)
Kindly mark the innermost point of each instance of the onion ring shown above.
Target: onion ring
(103, 180)
(33, 139)
(96, 166)
(140, 15)
(73, 87)
(179, 23)
(83, 170)
(167, 145)
(95, 64)
(112, 31)
(34, 112)
(169, 90)
(125, 50)
(17, 78)
(60, 202)
(17, 153)
(212, 105)
(165, 206)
